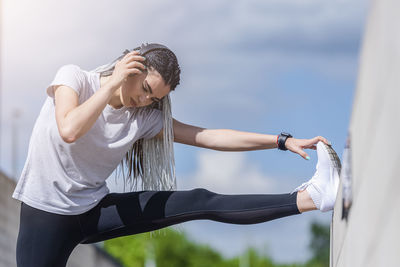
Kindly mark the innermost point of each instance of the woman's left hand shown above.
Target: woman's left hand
(297, 145)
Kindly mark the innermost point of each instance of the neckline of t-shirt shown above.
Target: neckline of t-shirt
(109, 107)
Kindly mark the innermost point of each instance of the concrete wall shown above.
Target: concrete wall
(82, 256)
(9, 222)
(371, 236)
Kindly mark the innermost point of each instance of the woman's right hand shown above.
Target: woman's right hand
(130, 64)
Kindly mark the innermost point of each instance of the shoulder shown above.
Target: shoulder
(70, 75)
(72, 70)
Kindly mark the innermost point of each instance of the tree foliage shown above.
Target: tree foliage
(170, 248)
(319, 245)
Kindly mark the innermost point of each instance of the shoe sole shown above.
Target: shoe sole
(334, 157)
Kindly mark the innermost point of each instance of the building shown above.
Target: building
(369, 235)
(83, 255)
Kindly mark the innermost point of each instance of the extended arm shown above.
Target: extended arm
(222, 139)
(232, 140)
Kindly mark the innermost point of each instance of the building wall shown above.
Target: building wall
(82, 256)
(370, 236)
(9, 222)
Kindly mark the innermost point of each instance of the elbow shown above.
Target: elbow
(68, 136)
(68, 140)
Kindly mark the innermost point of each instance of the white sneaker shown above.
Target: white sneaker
(323, 186)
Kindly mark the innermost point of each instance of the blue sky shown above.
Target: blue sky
(260, 66)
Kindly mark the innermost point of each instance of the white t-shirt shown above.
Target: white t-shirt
(70, 179)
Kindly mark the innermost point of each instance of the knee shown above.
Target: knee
(203, 193)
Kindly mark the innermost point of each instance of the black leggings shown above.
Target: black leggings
(47, 239)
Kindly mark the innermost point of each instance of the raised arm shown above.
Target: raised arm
(232, 140)
(74, 120)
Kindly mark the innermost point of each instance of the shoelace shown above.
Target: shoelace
(304, 185)
(335, 164)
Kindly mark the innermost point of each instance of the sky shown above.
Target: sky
(250, 65)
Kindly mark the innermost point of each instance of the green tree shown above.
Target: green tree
(171, 248)
(131, 251)
(319, 245)
(168, 249)
(175, 249)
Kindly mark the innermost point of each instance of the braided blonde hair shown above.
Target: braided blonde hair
(151, 160)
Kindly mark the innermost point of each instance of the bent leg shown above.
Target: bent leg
(46, 239)
(120, 214)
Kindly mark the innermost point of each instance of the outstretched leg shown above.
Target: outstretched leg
(47, 239)
(136, 212)
(121, 214)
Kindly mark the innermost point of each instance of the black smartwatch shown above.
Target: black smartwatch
(282, 140)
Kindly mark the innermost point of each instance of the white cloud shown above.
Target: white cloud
(229, 173)
(220, 43)
(225, 48)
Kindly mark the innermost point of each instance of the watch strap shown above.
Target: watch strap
(282, 140)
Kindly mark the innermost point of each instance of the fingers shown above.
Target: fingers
(133, 52)
(322, 139)
(133, 56)
(136, 64)
(134, 71)
(132, 64)
(132, 59)
(303, 154)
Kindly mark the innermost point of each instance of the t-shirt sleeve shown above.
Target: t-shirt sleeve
(152, 123)
(69, 75)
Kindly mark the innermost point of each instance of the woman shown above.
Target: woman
(91, 120)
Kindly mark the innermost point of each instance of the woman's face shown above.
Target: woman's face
(143, 89)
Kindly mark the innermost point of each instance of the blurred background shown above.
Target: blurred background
(259, 66)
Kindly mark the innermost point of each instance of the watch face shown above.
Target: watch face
(286, 134)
